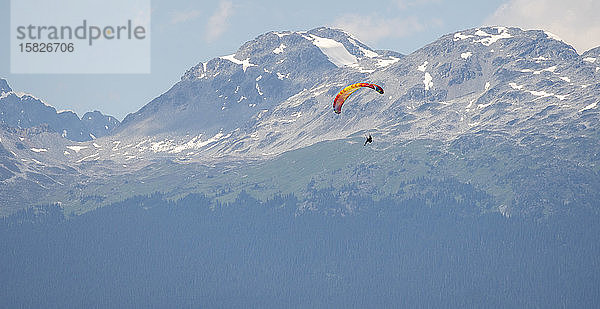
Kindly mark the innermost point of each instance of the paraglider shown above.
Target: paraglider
(346, 92)
(369, 140)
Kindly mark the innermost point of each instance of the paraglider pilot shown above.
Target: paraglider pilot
(369, 140)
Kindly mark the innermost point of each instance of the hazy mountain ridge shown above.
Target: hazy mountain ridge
(22, 110)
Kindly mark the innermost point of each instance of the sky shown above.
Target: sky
(184, 33)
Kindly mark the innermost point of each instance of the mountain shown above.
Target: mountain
(99, 124)
(513, 113)
(592, 55)
(22, 110)
(274, 94)
(4, 87)
(227, 93)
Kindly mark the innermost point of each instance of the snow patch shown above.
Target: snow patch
(161, 146)
(459, 36)
(566, 79)
(515, 86)
(540, 58)
(259, 116)
(492, 38)
(423, 66)
(335, 51)
(428, 81)
(386, 62)
(466, 55)
(38, 150)
(245, 63)
(545, 94)
(281, 76)
(281, 34)
(589, 59)
(487, 85)
(197, 143)
(484, 105)
(88, 157)
(542, 94)
(550, 69)
(470, 104)
(77, 148)
(561, 96)
(279, 49)
(591, 106)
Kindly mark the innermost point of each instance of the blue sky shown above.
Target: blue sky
(185, 33)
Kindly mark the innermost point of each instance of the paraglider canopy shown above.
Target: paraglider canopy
(346, 92)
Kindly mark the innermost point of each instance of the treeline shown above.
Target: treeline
(428, 249)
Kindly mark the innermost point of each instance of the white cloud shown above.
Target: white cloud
(371, 29)
(183, 16)
(218, 22)
(577, 22)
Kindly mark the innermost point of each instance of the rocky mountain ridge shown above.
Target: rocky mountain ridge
(22, 110)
